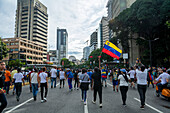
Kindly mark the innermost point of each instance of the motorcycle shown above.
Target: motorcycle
(165, 93)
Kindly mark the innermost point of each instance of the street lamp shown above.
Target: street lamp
(150, 48)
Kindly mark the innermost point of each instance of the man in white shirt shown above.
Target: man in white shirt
(53, 73)
(163, 83)
(132, 76)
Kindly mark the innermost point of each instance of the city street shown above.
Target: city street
(63, 101)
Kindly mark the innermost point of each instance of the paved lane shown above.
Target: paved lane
(63, 101)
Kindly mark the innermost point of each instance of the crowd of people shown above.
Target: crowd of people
(138, 77)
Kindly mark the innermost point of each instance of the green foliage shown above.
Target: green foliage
(149, 19)
(67, 63)
(17, 63)
(3, 49)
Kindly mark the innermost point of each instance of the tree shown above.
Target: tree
(150, 20)
(3, 49)
(67, 63)
(16, 62)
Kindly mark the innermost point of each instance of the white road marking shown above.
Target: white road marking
(22, 104)
(19, 105)
(150, 106)
(85, 108)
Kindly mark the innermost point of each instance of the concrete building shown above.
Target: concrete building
(25, 50)
(93, 40)
(102, 32)
(62, 44)
(32, 22)
(52, 56)
(86, 53)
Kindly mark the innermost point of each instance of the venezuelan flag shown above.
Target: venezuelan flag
(112, 50)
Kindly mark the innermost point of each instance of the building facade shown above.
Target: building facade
(86, 53)
(25, 50)
(62, 44)
(93, 40)
(32, 22)
(52, 56)
(130, 2)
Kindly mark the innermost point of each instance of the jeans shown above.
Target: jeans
(150, 81)
(70, 83)
(44, 85)
(34, 89)
(99, 91)
(123, 90)
(84, 95)
(53, 80)
(62, 80)
(142, 91)
(76, 83)
(18, 89)
(3, 102)
(6, 87)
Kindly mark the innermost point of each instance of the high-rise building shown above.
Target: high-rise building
(62, 44)
(93, 40)
(104, 32)
(32, 22)
(86, 53)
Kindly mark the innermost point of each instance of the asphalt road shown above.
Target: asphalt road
(64, 101)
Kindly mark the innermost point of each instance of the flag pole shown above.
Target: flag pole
(99, 60)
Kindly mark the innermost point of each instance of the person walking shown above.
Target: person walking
(142, 84)
(150, 78)
(43, 84)
(34, 82)
(114, 79)
(76, 80)
(7, 80)
(123, 83)
(132, 77)
(62, 77)
(97, 86)
(53, 73)
(69, 77)
(3, 100)
(104, 76)
(84, 84)
(18, 78)
(12, 76)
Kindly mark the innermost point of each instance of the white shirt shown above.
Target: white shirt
(43, 77)
(123, 81)
(163, 78)
(53, 73)
(34, 78)
(132, 73)
(18, 77)
(62, 75)
(79, 74)
(141, 77)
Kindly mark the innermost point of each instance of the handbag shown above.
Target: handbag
(84, 85)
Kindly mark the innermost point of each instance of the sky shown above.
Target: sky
(80, 17)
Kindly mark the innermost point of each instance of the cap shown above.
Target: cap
(123, 70)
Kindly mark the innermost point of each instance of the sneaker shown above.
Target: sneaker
(77, 88)
(105, 85)
(45, 99)
(35, 98)
(85, 103)
(93, 102)
(142, 107)
(113, 89)
(100, 105)
(82, 100)
(54, 86)
(51, 86)
(124, 105)
(42, 101)
(60, 87)
(17, 99)
(13, 92)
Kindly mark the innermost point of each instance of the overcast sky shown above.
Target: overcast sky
(79, 17)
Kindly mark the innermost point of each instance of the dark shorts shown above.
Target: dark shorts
(115, 82)
(104, 79)
(132, 79)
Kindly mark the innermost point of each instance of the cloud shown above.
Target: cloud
(80, 17)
